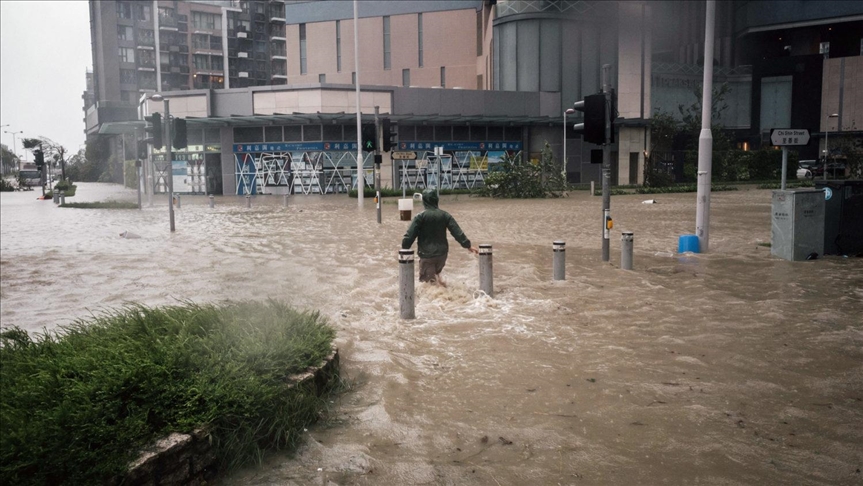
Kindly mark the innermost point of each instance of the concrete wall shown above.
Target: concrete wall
(319, 100)
(444, 44)
(842, 93)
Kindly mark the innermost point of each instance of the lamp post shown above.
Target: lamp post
(569, 111)
(14, 146)
(146, 170)
(826, 138)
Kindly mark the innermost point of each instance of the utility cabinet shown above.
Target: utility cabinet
(797, 224)
(843, 216)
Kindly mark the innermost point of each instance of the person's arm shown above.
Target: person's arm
(459, 235)
(412, 233)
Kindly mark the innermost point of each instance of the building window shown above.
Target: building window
(339, 45)
(127, 54)
(147, 80)
(479, 32)
(202, 63)
(200, 41)
(302, 48)
(142, 13)
(145, 36)
(322, 78)
(354, 78)
(203, 20)
(124, 32)
(387, 42)
(124, 10)
(406, 77)
(443, 77)
(420, 37)
(217, 63)
(127, 76)
(147, 58)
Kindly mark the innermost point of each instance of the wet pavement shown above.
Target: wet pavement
(731, 367)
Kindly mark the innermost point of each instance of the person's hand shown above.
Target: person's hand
(473, 250)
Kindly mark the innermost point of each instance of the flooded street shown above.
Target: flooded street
(731, 367)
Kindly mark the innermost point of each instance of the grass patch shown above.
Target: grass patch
(78, 406)
(101, 205)
(788, 184)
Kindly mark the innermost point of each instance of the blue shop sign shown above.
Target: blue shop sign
(352, 146)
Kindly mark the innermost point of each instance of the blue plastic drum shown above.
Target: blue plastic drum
(688, 243)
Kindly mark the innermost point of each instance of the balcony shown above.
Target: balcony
(277, 16)
(167, 22)
(278, 54)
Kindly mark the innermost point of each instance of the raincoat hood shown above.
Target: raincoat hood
(430, 199)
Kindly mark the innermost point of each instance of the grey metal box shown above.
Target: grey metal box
(797, 223)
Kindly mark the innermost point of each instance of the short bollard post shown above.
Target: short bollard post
(179, 203)
(559, 249)
(486, 280)
(62, 198)
(626, 250)
(212, 201)
(56, 196)
(406, 284)
(287, 196)
(248, 200)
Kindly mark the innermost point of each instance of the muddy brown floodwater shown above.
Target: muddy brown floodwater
(731, 367)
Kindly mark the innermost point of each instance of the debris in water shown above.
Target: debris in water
(484, 439)
(128, 235)
(504, 441)
(592, 380)
(531, 389)
(649, 201)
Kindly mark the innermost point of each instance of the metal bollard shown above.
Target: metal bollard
(62, 198)
(559, 260)
(406, 284)
(248, 201)
(626, 250)
(286, 199)
(56, 195)
(177, 199)
(591, 189)
(212, 201)
(486, 279)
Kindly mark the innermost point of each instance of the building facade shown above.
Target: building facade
(784, 66)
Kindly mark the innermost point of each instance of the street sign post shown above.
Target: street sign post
(785, 137)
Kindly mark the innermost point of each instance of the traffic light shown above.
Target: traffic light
(154, 129)
(593, 128)
(39, 158)
(179, 138)
(391, 135)
(369, 138)
(142, 149)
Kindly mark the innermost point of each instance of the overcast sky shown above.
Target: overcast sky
(44, 54)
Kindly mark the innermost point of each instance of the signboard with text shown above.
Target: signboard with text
(783, 137)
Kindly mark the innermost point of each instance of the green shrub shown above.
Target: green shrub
(525, 180)
(5, 185)
(67, 187)
(101, 205)
(78, 406)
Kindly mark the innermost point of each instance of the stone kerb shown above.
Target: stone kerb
(188, 459)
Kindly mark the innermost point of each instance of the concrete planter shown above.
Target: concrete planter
(187, 459)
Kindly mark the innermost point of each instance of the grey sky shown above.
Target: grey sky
(44, 53)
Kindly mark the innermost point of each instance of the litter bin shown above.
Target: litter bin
(843, 216)
(797, 224)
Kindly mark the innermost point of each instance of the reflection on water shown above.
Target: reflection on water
(730, 367)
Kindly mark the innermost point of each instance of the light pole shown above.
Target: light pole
(826, 137)
(146, 170)
(14, 146)
(569, 111)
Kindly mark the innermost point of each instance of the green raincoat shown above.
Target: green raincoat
(430, 227)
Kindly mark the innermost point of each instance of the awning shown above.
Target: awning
(119, 128)
(346, 118)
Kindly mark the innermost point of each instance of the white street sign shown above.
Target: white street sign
(404, 155)
(789, 136)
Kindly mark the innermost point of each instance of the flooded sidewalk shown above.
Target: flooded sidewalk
(731, 367)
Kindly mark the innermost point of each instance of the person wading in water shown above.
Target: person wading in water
(430, 226)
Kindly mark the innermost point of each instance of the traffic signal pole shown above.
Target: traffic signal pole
(376, 164)
(169, 156)
(606, 165)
